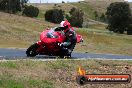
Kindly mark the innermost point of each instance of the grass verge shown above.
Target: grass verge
(58, 73)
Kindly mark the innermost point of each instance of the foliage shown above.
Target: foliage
(54, 15)
(31, 11)
(12, 6)
(118, 15)
(75, 17)
(63, 1)
(129, 30)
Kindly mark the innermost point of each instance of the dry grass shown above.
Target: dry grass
(19, 31)
(60, 73)
(44, 7)
(66, 7)
(102, 41)
(101, 5)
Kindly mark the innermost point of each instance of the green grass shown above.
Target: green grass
(25, 83)
(9, 65)
(11, 84)
(57, 74)
(40, 84)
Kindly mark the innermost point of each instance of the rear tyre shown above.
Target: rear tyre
(31, 51)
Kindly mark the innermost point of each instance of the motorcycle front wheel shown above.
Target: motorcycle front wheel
(68, 55)
(31, 51)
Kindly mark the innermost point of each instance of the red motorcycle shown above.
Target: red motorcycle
(49, 43)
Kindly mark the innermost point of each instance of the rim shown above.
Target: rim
(31, 52)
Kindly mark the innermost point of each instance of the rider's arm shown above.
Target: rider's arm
(71, 37)
(58, 29)
(66, 44)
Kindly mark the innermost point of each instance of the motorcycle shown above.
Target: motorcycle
(49, 44)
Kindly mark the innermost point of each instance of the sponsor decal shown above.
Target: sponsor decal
(84, 78)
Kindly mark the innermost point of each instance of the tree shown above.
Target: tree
(31, 11)
(12, 6)
(118, 15)
(48, 15)
(54, 15)
(75, 17)
(63, 2)
(129, 30)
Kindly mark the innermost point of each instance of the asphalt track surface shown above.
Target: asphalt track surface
(11, 54)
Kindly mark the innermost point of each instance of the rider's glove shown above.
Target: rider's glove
(60, 44)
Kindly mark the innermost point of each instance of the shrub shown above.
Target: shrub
(63, 2)
(75, 17)
(129, 30)
(54, 15)
(31, 11)
(12, 6)
(118, 15)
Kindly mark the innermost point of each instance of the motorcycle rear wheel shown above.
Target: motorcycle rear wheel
(31, 51)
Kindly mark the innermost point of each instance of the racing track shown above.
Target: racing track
(11, 54)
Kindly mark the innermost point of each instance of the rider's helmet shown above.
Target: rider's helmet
(66, 25)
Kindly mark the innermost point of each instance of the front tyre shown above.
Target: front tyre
(68, 55)
(31, 51)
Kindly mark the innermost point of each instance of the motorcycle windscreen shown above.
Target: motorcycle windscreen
(51, 36)
(43, 35)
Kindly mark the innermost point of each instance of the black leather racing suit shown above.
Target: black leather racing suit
(69, 43)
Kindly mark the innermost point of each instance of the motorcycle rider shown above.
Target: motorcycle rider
(68, 45)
